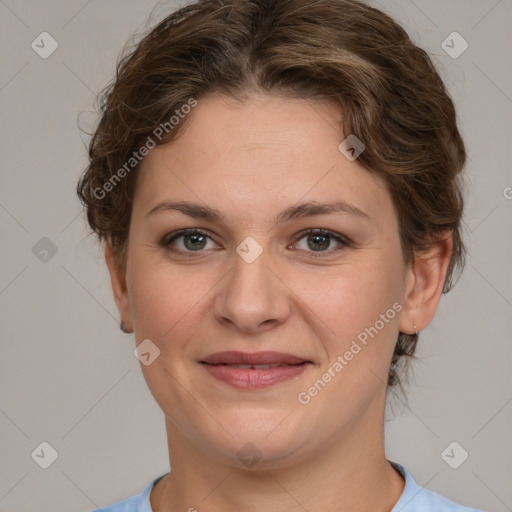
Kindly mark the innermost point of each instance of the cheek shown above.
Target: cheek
(169, 303)
(163, 300)
(351, 297)
(359, 304)
(166, 308)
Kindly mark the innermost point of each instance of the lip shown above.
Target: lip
(284, 367)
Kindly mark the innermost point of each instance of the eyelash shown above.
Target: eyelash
(342, 241)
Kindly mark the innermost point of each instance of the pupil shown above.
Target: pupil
(319, 240)
(195, 239)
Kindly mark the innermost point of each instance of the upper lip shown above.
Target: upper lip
(233, 357)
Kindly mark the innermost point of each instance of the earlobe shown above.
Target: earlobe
(425, 283)
(119, 288)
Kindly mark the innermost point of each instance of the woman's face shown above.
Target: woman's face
(253, 178)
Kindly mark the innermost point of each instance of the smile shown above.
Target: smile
(254, 376)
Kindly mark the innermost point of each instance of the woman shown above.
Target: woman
(277, 184)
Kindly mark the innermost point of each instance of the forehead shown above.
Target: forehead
(266, 153)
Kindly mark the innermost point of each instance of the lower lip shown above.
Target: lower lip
(242, 378)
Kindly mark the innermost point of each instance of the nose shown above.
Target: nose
(252, 298)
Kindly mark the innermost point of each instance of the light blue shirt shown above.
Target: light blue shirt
(413, 499)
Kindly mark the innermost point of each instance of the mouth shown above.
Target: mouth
(254, 366)
(254, 370)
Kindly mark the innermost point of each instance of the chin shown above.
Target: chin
(257, 455)
(261, 441)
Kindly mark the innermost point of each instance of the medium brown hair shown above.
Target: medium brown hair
(390, 95)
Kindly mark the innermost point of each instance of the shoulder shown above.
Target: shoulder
(419, 499)
(138, 503)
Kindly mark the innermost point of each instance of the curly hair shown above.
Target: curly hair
(388, 89)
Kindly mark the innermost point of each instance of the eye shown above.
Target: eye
(188, 240)
(196, 240)
(320, 240)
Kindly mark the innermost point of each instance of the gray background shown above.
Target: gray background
(68, 375)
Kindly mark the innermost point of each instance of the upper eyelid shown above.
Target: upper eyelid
(186, 231)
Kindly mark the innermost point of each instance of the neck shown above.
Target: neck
(350, 472)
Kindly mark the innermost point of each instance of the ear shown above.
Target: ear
(119, 288)
(424, 284)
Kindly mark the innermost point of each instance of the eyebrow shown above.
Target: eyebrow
(307, 209)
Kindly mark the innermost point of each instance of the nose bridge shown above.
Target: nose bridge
(251, 296)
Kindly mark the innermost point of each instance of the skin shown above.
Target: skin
(250, 161)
